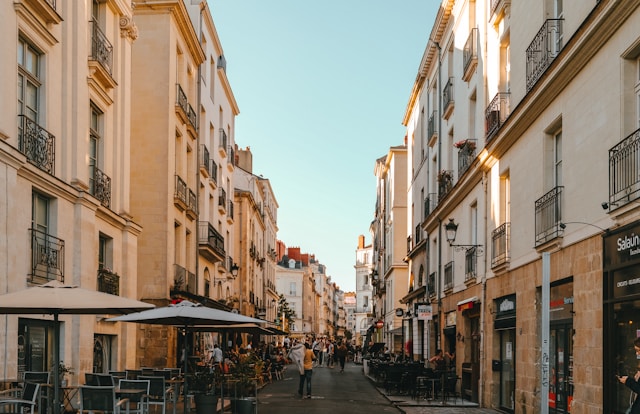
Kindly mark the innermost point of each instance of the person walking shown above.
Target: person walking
(307, 363)
(341, 353)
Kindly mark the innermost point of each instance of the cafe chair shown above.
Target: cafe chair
(45, 392)
(157, 391)
(101, 399)
(138, 402)
(24, 400)
(133, 373)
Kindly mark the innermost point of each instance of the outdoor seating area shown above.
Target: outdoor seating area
(414, 382)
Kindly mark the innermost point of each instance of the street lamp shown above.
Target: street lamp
(452, 228)
(234, 269)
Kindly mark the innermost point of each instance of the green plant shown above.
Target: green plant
(204, 381)
(245, 372)
(64, 369)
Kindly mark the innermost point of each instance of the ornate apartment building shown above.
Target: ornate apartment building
(363, 306)
(522, 131)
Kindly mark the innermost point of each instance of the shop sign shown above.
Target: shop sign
(506, 306)
(622, 247)
(626, 282)
(450, 319)
(424, 311)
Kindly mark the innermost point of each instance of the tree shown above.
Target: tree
(284, 309)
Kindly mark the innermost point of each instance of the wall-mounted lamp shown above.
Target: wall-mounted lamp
(605, 205)
(234, 269)
(399, 312)
(460, 337)
(452, 228)
(563, 225)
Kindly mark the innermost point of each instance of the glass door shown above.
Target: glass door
(508, 369)
(561, 363)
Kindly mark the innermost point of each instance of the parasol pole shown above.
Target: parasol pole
(56, 363)
(184, 389)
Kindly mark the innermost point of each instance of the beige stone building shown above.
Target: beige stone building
(389, 246)
(65, 173)
(363, 307)
(526, 118)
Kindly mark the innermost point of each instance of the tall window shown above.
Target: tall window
(292, 289)
(558, 12)
(505, 198)
(104, 252)
(557, 159)
(95, 132)
(637, 91)
(40, 213)
(29, 81)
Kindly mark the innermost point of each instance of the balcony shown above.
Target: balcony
(101, 187)
(222, 201)
(500, 245)
(101, 58)
(448, 276)
(496, 113)
(470, 264)
(44, 10)
(37, 144)
(548, 216)
(230, 211)
(47, 258)
(432, 127)
(231, 159)
(192, 205)
(447, 99)
(445, 183)
(184, 109)
(430, 204)
(470, 55)
(213, 172)
(205, 161)
(542, 51)
(466, 155)
(180, 194)
(431, 284)
(624, 170)
(222, 146)
(210, 243)
(108, 282)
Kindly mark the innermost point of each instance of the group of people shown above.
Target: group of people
(320, 352)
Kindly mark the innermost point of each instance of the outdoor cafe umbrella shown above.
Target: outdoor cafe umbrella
(187, 315)
(55, 298)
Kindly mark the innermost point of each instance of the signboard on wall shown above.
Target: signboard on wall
(424, 311)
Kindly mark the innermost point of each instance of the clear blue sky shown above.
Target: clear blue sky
(322, 87)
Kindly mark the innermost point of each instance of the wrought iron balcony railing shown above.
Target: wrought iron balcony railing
(624, 170)
(548, 216)
(447, 98)
(430, 204)
(223, 142)
(496, 113)
(500, 245)
(448, 276)
(108, 282)
(47, 257)
(211, 242)
(204, 159)
(192, 205)
(466, 155)
(470, 54)
(101, 187)
(445, 183)
(37, 144)
(432, 128)
(213, 171)
(544, 48)
(222, 198)
(470, 264)
(180, 195)
(101, 48)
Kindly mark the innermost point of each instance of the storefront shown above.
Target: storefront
(561, 335)
(621, 313)
(505, 326)
(35, 345)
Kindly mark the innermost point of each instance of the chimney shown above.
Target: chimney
(361, 241)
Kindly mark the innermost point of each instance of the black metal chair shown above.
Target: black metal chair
(138, 402)
(103, 399)
(45, 392)
(393, 379)
(157, 391)
(23, 399)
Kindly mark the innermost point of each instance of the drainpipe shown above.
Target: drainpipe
(483, 296)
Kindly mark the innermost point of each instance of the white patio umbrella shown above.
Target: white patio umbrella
(55, 298)
(190, 316)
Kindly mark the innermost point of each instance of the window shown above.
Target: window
(292, 289)
(40, 213)
(557, 159)
(29, 81)
(637, 92)
(105, 246)
(558, 12)
(95, 133)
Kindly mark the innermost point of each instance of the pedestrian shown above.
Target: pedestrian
(633, 383)
(331, 354)
(296, 354)
(341, 353)
(316, 350)
(217, 358)
(307, 363)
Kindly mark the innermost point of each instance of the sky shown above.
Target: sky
(322, 88)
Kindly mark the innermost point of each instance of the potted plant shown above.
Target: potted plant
(245, 373)
(204, 386)
(63, 371)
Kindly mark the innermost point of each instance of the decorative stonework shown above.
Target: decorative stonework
(128, 28)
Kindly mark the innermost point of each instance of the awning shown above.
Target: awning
(396, 331)
(508, 322)
(467, 303)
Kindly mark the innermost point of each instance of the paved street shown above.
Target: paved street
(349, 392)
